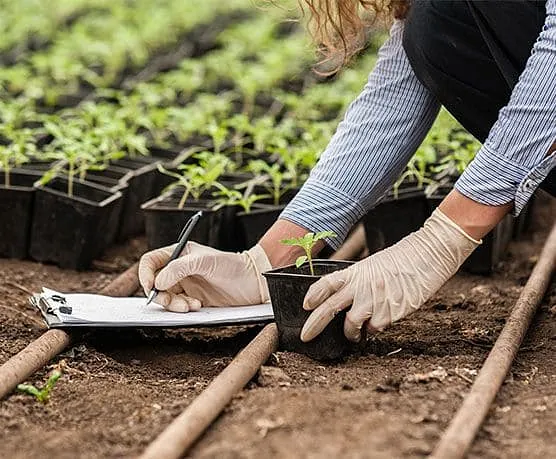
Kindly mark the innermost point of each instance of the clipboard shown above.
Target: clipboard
(85, 310)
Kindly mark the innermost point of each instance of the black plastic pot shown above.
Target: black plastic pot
(241, 230)
(170, 159)
(252, 226)
(491, 251)
(522, 223)
(16, 212)
(164, 221)
(395, 217)
(37, 166)
(141, 188)
(288, 287)
(73, 231)
(113, 178)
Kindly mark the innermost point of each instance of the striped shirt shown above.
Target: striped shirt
(387, 122)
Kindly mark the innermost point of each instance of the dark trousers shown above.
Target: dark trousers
(470, 54)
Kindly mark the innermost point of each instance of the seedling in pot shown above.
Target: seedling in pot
(196, 178)
(270, 177)
(418, 168)
(16, 153)
(41, 395)
(307, 242)
(297, 161)
(218, 133)
(229, 198)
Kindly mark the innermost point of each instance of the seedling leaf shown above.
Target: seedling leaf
(41, 395)
(302, 259)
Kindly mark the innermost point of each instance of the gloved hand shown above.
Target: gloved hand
(204, 276)
(390, 284)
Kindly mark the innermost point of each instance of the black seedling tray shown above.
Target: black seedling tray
(16, 211)
(164, 221)
(288, 287)
(141, 188)
(395, 217)
(253, 225)
(522, 223)
(72, 231)
(240, 230)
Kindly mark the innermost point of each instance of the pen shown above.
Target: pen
(182, 240)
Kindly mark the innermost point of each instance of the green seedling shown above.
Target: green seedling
(271, 176)
(229, 197)
(307, 242)
(16, 153)
(196, 178)
(41, 395)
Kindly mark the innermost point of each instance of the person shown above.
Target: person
(492, 64)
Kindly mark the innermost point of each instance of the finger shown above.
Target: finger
(362, 309)
(150, 263)
(323, 315)
(163, 299)
(193, 248)
(356, 318)
(323, 288)
(188, 265)
(182, 303)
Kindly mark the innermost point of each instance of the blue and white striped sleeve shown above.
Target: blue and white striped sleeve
(514, 159)
(380, 132)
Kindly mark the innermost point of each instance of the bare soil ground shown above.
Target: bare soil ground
(121, 388)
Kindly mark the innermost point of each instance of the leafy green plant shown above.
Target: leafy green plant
(231, 197)
(17, 152)
(196, 178)
(271, 177)
(307, 242)
(76, 151)
(41, 395)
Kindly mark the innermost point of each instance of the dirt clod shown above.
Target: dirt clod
(272, 377)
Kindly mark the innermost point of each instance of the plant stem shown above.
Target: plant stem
(70, 179)
(310, 259)
(184, 196)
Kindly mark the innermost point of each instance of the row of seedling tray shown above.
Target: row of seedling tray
(44, 222)
(47, 223)
(405, 211)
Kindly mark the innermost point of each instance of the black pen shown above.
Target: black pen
(182, 240)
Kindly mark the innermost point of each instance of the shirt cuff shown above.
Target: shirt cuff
(495, 180)
(319, 207)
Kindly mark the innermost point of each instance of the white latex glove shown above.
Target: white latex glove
(204, 276)
(391, 283)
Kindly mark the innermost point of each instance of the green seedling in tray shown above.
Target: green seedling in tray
(231, 197)
(196, 178)
(307, 242)
(41, 395)
(270, 177)
(16, 153)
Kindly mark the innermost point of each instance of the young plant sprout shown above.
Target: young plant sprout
(231, 197)
(196, 178)
(307, 242)
(41, 395)
(218, 133)
(273, 177)
(16, 153)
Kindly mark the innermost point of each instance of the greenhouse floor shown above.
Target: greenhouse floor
(119, 390)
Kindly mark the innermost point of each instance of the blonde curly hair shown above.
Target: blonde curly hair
(338, 27)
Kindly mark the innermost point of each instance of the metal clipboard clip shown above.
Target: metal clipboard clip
(61, 304)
